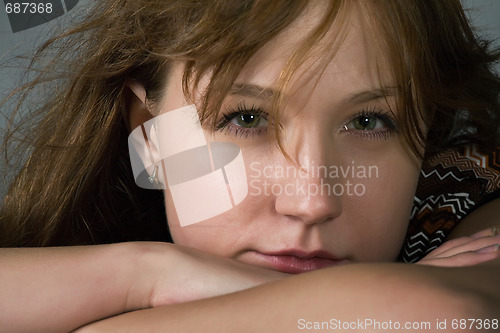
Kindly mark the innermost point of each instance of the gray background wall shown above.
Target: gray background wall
(25, 41)
(21, 35)
(485, 15)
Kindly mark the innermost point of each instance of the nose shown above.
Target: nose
(309, 192)
(311, 202)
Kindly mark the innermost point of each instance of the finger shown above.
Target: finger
(492, 231)
(449, 245)
(471, 246)
(465, 258)
(488, 249)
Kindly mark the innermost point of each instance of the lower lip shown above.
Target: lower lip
(292, 264)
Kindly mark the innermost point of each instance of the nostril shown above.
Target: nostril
(309, 208)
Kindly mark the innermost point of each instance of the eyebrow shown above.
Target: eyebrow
(371, 95)
(255, 91)
(251, 90)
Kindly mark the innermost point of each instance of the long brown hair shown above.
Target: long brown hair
(76, 185)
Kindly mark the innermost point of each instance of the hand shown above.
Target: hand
(171, 274)
(466, 251)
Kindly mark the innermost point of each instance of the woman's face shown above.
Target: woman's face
(345, 193)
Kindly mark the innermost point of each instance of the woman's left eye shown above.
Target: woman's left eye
(371, 123)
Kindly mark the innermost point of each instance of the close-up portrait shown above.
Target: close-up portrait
(250, 166)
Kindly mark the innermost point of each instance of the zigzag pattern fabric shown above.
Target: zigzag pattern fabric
(452, 184)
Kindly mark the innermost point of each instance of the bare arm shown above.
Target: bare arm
(61, 289)
(385, 292)
(57, 289)
(397, 292)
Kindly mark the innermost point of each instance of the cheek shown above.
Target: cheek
(229, 232)
(199, 236)
(380, 217)
(185, 236)
(222, 235)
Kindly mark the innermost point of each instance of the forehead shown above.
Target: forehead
(348, 55)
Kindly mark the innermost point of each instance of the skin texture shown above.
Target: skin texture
(323, 101)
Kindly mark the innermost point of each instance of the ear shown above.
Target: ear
(140, 147)
(138, 112)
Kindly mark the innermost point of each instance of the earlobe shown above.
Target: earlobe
(136, 102)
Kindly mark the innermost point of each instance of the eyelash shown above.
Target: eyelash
(388, 120)
(225, 125)
(230, 114)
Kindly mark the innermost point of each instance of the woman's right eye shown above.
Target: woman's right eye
(248, 120)
(244, 122)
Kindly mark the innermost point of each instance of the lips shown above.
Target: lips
(293, 261)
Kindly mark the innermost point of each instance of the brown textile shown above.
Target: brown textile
(452, 184)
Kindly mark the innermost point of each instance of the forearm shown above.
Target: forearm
(397, 292)
(60, 289)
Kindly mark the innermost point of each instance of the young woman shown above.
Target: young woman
(353, 118)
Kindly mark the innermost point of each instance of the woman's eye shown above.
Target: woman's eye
(366, 123)
(248, 120)
(244, 122)
(372, 124)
